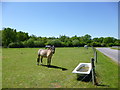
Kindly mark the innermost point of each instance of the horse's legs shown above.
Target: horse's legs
(41, 59)
(38, 59)
(49, 61)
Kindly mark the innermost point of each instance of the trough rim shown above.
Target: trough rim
(78, 66)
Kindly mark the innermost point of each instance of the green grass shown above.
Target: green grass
(107, 71)
(20, 69)
(116, 48)
(0, 68)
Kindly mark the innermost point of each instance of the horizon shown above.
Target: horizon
(60, 35)
(52, 19)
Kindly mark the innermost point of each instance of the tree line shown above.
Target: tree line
(13, 39)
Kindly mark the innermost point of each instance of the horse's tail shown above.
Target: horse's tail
(38, 59)
(39, 51)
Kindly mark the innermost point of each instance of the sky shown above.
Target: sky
(52, 19)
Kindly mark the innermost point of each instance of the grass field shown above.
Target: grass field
(20, 70)
(116, 48)
(0, 67)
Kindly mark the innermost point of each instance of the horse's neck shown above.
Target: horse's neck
(49, 48)
(49, 53)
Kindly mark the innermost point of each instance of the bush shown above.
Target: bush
(25, 44)
(54, 42)
(30, 43)
(82, 44)
(39, 44)
(103, 44)
(12, 45)
(96, 44)
(111, 44)
(16, 45)
(68, 43)
(75, 43)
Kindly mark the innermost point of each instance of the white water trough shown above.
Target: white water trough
(83, 68)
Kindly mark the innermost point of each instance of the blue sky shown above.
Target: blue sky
(47, 19)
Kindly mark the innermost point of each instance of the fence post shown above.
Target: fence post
(93, 72)
(95, 56)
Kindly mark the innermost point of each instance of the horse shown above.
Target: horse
(46, 53)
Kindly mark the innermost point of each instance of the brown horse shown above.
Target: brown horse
(47, 53)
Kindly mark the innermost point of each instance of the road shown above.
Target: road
(112, 53)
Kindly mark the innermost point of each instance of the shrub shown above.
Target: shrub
(16, 45)
(39, 44)
(54, 42)
(12, 45)
(95, 44)
(75, 43)
(29, 43)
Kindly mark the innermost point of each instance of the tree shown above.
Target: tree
(68, 43)
(16, 45)
(0, 37)
(12, 38)
(108, 40)
(86, 38)
(100, 39)
(63, 38)
(96, 44)
(29, 43)
(8, 36)
(55, 42)
(34, 37)
(22, 36)
(117, 42)
(95, 39)
(76, 43)
(74, 38)
(39, 44)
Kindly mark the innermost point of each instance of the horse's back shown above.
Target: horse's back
(44, 52)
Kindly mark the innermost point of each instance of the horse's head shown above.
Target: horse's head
(53, 49)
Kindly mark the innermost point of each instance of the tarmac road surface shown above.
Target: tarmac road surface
(112, 53)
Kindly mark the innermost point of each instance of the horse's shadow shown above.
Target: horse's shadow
(56, 67)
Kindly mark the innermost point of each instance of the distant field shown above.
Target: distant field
(116, 48)
(20, 69)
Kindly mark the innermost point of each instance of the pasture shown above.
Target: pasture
(0, 67)
(19, 69)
